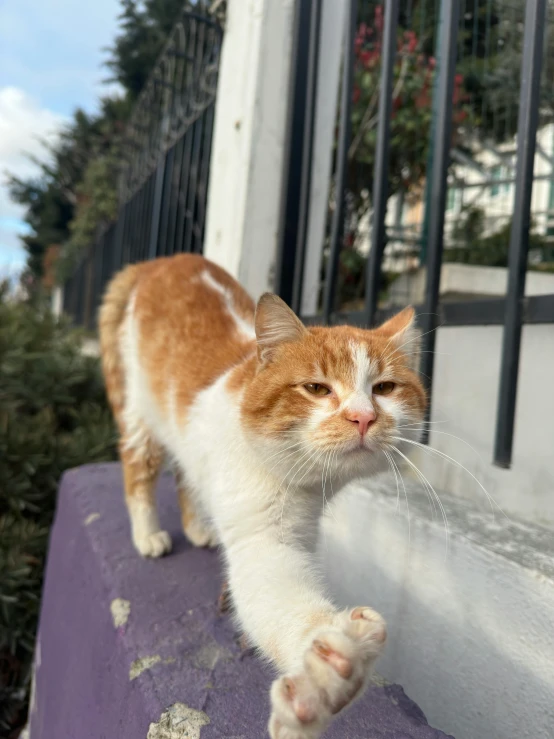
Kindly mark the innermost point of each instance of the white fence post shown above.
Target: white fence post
(57, 301)
(247, 162)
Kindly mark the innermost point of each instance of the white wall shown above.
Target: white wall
(465, 388)
(466, 278)
(470, 635)
(498, 207)
(248, 150)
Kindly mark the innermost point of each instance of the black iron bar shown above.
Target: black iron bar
(204, 176)
(529, 100)
(294, 146)
(381, 169)
(192, 176)
(337, 227)
(183, 191)
(166, 202)
(119, 239)
(446, 62)
(153, 243)
(139, 231)
(307, 156)
(148, 210)
(174, 196)
(98, 260)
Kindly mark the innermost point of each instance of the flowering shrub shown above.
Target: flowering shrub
(414, 75)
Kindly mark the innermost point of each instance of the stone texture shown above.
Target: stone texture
(198, 681)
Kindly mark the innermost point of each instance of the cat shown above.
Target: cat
(257, 412)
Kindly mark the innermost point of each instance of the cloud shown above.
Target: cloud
(24, 124)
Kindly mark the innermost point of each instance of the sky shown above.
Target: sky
(50, 63)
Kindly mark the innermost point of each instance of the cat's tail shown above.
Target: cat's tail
(112, 313)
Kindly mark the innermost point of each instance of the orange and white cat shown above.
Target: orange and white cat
(256, 411)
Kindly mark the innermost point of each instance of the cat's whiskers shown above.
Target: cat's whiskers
(397, 348)
(420, 423)
(280, 451)
(430, 490)
(315, 456)
(389, 460)
(396, 469)
(278, 462)
(304, 454)
(283, 458)
(446, 433)
(279, 488)
(324, 476)
(324, 482)
(333, 461)
(417, 338)
(429, 449)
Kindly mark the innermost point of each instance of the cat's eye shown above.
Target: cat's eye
(383, 388)
(314, 388)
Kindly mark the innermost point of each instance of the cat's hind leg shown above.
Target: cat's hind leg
(197, 531)
(141, 459)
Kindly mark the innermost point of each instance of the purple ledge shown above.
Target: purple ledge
(136, 649)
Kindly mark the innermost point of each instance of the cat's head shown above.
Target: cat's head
(340, 393)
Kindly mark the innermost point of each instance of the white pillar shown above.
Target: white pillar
(247, 162)
(331, 43)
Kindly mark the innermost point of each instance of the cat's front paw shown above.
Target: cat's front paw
(336, 667)
(153, 545)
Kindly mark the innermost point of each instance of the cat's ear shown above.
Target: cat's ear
(404, 335)
(275, 324)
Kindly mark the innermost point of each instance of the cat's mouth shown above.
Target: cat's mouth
(360, 446)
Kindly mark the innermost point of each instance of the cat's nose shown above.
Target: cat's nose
(363, 419)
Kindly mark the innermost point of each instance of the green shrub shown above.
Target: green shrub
(53, 416)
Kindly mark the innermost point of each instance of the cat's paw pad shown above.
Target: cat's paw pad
(336, 667)
(200, 535)
(367, 627)
(153, 545)
(299, 710)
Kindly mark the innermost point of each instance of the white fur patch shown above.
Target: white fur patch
(362, 368)
(243, 327)
(135, 382)
(144, 517)
(360, 399)
(148, 537)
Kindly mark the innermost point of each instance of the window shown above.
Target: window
(451, 198)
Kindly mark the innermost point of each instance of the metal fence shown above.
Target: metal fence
(501, 51)
(166, 155)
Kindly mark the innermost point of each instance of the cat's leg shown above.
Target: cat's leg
(324, 654)
(197, 531)
(141, 459)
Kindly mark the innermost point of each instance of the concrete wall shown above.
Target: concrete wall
(470, 632)
(129, 649)
(465, 388)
